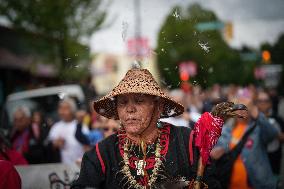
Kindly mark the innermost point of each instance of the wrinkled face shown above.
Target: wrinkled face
(65, 112)
(135, 112)
(21, 121)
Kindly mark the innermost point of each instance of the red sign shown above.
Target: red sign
(138, 46)
(188, 67)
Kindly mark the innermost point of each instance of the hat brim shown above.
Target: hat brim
(107, 107)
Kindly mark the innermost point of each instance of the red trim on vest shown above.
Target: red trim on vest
(190, 147)
(100, 158)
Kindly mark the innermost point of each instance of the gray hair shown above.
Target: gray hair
(25, 110)
(71, 103)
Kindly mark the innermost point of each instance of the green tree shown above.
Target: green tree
(179, 40)
(63, 22)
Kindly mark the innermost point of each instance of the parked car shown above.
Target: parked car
(43, 99)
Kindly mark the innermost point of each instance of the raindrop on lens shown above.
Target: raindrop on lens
(61, 95)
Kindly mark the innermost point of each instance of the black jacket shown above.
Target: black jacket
(176, 163)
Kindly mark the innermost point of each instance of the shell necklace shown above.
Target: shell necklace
(140, 166)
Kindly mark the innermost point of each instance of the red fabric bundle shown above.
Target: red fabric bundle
(207, 131)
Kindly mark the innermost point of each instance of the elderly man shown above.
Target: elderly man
(144, 153)
(23, 138)
(62, 133)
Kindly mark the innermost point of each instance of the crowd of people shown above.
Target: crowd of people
(257, 165)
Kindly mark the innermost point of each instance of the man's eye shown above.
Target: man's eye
(139, 100)
(121, 102)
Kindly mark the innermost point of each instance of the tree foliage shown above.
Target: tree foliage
(179, 41)
(64, 22)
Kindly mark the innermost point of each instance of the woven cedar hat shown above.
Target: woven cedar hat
(138, 81)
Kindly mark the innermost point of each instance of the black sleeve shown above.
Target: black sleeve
(91, 175)
(79, 135)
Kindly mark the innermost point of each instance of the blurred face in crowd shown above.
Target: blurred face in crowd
(263, 102)
(136, 111)
(21, 120)
(110, 127)
(37, 118)
(248, 103)
(65, 111)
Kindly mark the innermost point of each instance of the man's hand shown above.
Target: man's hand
(59, 143)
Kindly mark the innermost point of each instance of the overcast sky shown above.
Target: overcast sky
(254, 21)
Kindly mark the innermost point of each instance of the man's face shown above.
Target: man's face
(21, 121)
(109, 127)
(65, 112)
(135, 112)
(263, 102)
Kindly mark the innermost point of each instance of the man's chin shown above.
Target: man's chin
(133, 131)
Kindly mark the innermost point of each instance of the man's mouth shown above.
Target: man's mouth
(132, 120)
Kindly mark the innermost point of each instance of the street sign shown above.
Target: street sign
(204, 26)
(270, 74)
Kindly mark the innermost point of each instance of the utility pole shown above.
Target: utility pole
(137, 29)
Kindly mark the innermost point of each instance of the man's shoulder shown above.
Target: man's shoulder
(109, 141)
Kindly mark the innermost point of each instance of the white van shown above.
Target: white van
(42, 99)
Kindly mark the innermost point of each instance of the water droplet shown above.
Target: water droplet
(164, 82)
(136, 64)
(163, 50)
(171, 112)
(204, 46)
(176, 14)
(61, 95)
(67, 59)
(210, 70)
(166, 69)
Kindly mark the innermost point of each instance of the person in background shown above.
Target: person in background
(23, 139)
(20, 132)
(181, 120)
(9, 154)
(274, 148)
(109, 127)
(9, 177)
(252, 168)
(62, 133)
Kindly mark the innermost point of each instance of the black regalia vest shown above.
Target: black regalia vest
(101, 167)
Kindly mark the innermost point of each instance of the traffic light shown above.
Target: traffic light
(228, 31)
(184, 76)
(266, 57)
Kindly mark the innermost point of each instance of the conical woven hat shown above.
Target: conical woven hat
(136, 81)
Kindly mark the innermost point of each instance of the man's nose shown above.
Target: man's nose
(130, 107)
